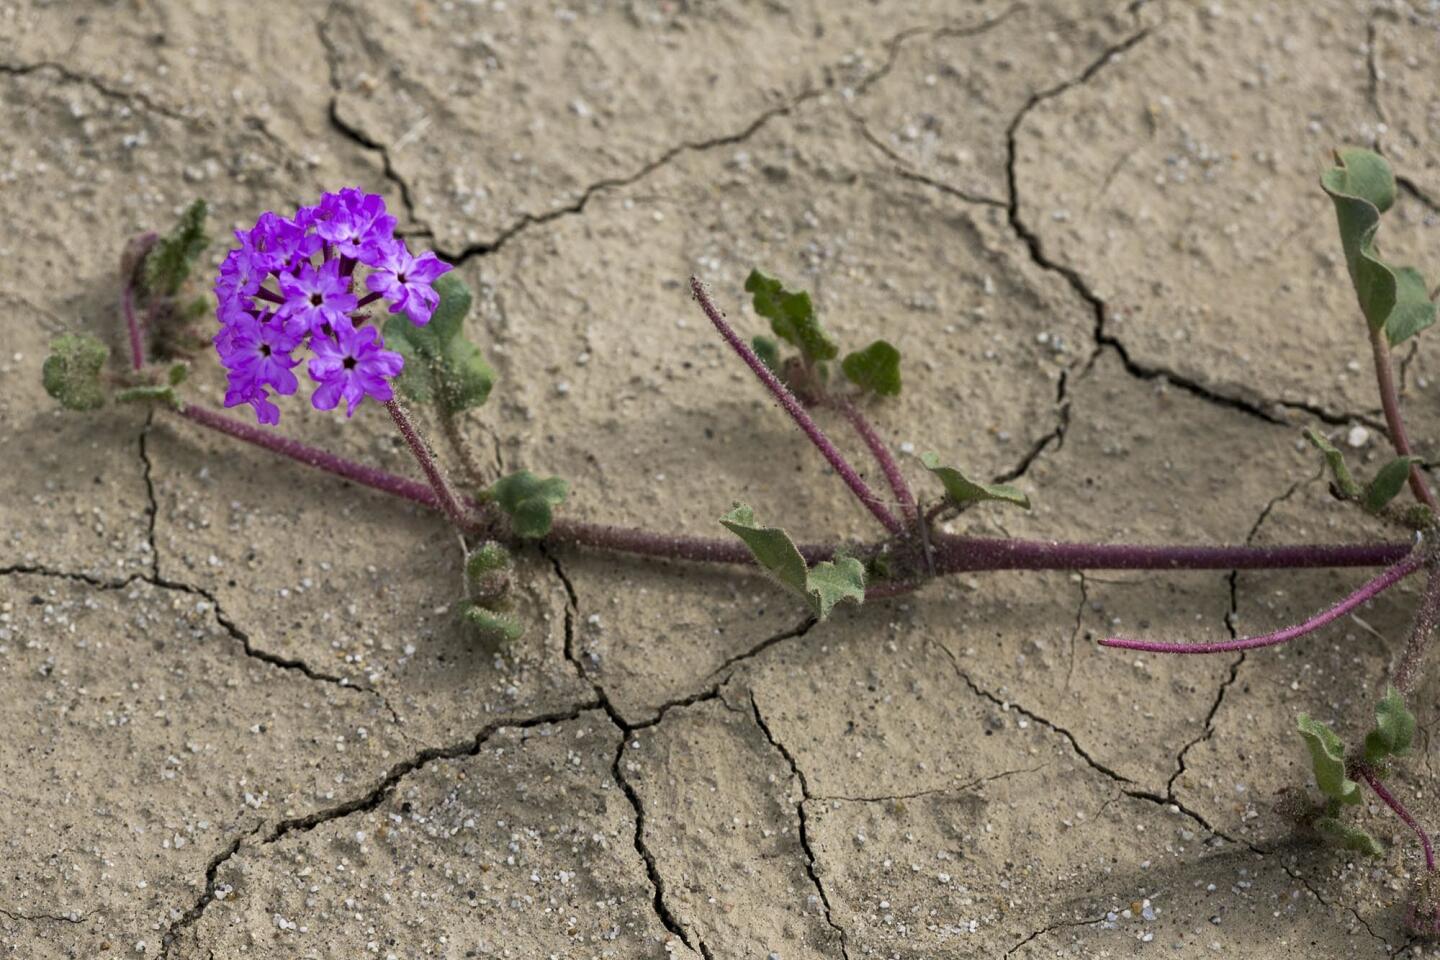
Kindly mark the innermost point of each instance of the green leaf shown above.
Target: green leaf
(830, 582)
(441, 366)
(822, 586)
(490, 557)
(493, 626)
(962, 490)
(876, 368)
(71, 373)
(1394, 728)
(150, 394)
(1346, 837)
(768, 351)
(1327, 758)
(169, 262)
(177, 374)
(1387, 483)
(791, 316)
(1344, 481)
(529, 500)
(1393, 299)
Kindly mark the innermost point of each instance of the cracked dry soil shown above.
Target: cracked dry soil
(241, 722)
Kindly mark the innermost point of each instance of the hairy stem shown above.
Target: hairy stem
(450, 428)
(1422, 628)
(954, 554)
(132, 324)
(797, 412)
(1369, 591)
(1389, 799)
(1390, 402)
(447, 499)
(882, 455)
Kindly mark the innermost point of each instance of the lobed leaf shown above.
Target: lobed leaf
(441, 366)
(529, 500)
(1344, 482)
(822, 586)
(875, 369)
(1393, 299)
(1340, 834)
(961, 490)
(170, 260)
(791, 316)
(1327, 759)
(1387, 483)
(1394, 728)
(71, 373)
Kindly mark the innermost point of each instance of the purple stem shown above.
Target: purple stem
(1427, 615)
(366, 300)
(797, 412)
(444, 495)
(959, 554)
(882, 456)
(132, 323)
(1390, 403)
(272, 297)
(1368, 775)
(1372, 589)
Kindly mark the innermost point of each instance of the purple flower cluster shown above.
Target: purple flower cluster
(291, 286)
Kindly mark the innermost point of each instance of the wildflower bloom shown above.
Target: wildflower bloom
(291, 285)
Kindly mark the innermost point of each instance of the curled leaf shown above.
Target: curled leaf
(529, 500)
(1394, 728)
(493, 626)
(791, 316)
(1327, 759)
(71, 373)
(1387, 483)
(1393, 299)
(876, 368)
(961, 490)
(1344, 482)
(822, 586)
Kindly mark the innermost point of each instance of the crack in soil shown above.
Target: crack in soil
(1103, 339)
(804, 821)
(127, 97)
(957, 788)
(360, 804)
(152, 506)
(1061, 925)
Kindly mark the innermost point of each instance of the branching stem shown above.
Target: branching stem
(1389, 799)
(1369, 591)
(445, 497)
(953, 554)
(792, 406)
(1390, 402)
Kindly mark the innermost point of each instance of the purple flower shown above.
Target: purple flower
(352, 365)
(291, 284)
(354, 222)
(406, 280)
(315, 299)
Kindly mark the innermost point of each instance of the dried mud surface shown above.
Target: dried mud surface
(241, 720)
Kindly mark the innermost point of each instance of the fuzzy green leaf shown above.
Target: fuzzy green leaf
(961, 490)
(768, 351)
(169, 262)
(529, 500)
(1393, 299)
(71, 373)
(441, 366)
(492, 626)
(822, 586)
(1394, 728)
(1344, 481)
(150, 394)
(876, 368)
(177, 374)
(1342, 835)
(1327, 758)
(830, 582)
(1387, 483)
(791, 316)
(490, 557)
